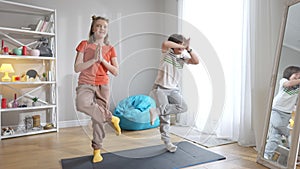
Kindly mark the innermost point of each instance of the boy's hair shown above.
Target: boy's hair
(287, 73)
(91, 33)
(176, 38)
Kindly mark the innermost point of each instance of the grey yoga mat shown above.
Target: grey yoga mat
(187, 154)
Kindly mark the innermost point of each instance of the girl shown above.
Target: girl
(94, 59)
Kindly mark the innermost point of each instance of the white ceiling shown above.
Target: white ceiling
(292, 31)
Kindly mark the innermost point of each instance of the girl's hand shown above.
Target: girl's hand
(98, 53)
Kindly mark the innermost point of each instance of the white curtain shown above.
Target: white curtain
(226, 25)
(265, 24)
(246, 134)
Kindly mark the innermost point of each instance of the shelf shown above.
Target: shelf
(25, 32)
(29, 133)
(28, 108)
(17, 30)
(27, 83)
(26, 57)
(13, 7)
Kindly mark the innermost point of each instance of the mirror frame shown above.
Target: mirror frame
(292, 159)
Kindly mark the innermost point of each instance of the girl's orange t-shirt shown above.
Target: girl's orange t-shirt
(97, 73)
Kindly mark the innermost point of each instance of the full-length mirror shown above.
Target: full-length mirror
(280, 144)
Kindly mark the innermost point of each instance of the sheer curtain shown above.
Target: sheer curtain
(226, 25)
(246, 135)
(266, 19)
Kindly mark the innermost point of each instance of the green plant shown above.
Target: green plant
(35, 99)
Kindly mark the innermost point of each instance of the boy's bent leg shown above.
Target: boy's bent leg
(153, 115)
(170, 102)
(177, 104)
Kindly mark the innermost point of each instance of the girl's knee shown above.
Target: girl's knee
(82, 104)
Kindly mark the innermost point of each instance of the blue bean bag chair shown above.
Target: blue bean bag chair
(134, 113)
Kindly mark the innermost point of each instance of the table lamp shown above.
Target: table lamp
(6, 68)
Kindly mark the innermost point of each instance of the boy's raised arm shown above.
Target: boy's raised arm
(169, 44)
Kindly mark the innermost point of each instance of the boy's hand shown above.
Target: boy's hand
(186, 43)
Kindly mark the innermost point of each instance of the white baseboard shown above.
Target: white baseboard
(73, 123)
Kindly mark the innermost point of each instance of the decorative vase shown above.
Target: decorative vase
(17, 51)
(35, 52)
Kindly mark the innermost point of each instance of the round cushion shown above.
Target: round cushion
(134, 112)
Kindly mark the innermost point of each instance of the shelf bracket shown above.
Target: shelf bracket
(27, 94)
(18, 42)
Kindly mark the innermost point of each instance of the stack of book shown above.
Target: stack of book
(44, 26)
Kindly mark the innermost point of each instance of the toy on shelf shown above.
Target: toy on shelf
(7, 131)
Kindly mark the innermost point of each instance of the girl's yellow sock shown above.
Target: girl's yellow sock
(115, 121)
(97, 156)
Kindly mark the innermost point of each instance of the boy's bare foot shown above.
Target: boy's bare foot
(153, 115)
(171, 147)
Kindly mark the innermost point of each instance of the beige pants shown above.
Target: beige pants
(94, 101)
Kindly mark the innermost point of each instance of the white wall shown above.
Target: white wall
(135, 31)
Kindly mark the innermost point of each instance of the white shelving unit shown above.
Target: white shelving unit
(17, 30)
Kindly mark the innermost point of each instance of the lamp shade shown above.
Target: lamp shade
(6, 68)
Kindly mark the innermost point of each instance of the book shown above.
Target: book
(44, 26)
(39, 25)
(49, 27)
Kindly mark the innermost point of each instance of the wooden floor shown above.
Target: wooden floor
(46, 150)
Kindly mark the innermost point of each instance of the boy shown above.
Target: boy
(282, 107)
(176, 52)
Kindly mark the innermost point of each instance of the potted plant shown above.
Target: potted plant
(34, 101)
(44, 76)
